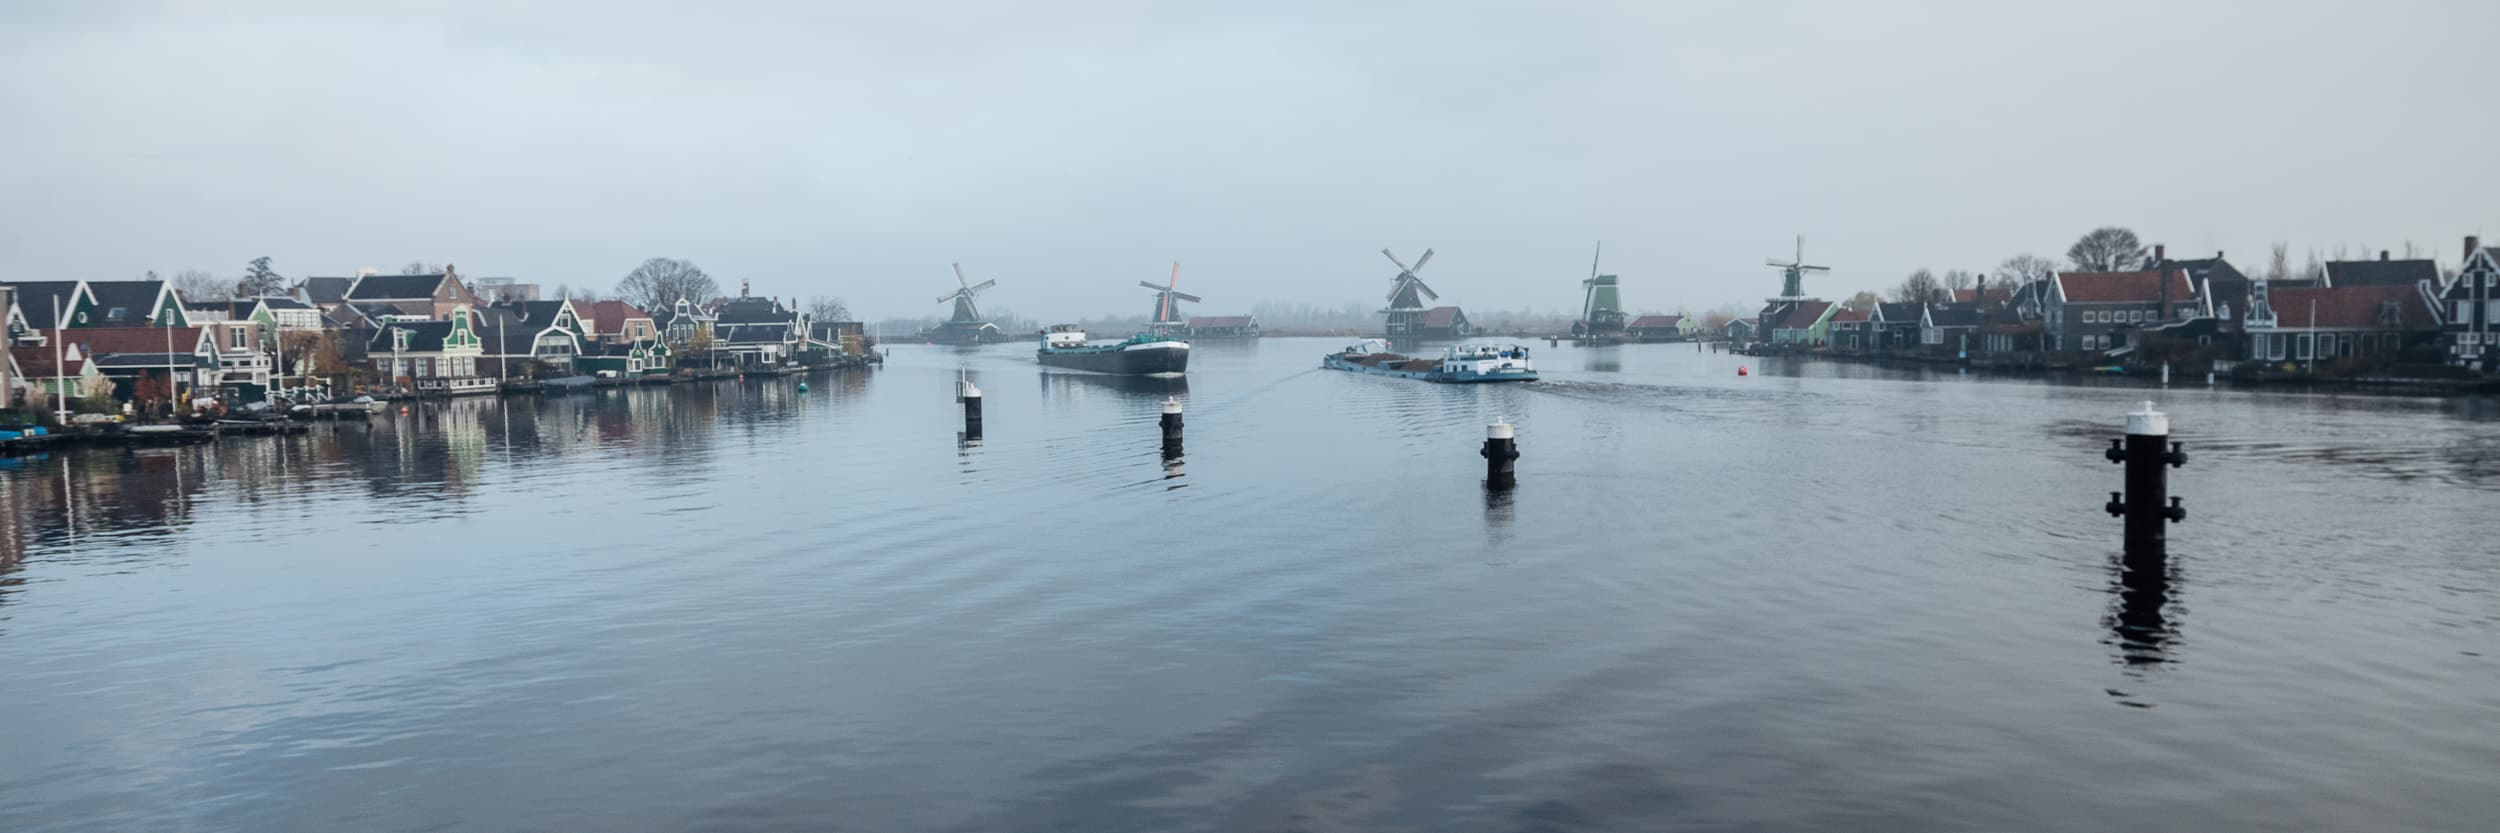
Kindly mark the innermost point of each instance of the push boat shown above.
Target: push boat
(1143, 354)
(1460, 364)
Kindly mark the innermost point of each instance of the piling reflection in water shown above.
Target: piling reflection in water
(2140, 620)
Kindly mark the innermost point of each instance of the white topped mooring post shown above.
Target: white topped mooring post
(969, 394)
(1501, 453)
(1171, 422)
(2147, 482)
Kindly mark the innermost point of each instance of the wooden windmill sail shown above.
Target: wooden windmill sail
(1168, 299)
(1793, 271)
(1407, 295)
(1601, 301)
(966, 298)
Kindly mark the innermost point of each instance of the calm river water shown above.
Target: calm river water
(1823, 597)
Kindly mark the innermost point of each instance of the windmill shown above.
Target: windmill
(1794, 271)
(1407, 297)
(1601, 301)
(1168, 300)
(966, 326)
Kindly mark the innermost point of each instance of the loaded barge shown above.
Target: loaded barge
(1461, 364)
(1144, 354)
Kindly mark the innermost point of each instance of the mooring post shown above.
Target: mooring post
(1501, 453)
(970, 394)
(2147, 504)
(1171, 422)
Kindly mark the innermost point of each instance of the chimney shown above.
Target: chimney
(2160, 256)
(2471, 243)
(2217, 254)
(2382, 255)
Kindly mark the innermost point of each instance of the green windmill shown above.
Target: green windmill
(1793, 287)
(1601, 302)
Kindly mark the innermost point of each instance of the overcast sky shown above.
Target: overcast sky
(1070, 150)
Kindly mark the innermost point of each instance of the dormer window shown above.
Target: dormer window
(116, 313)
(399, 339)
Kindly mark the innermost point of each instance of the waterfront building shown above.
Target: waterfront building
(1852, 330)
(682, 323)
(1894, 326)
(431, 297)
(424, 351)
(1443, 324)
(135, 304)
(751, 331)
(2098, 311)
(1655, 328)
(185, 357)
(617, 322)
(38, 300)
(1949, 328)
(40, 380)
(2373, 323)
(522, 339)
(1804, 323)
(1741, 330)
(2470, 306)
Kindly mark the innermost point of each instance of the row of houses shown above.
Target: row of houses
(2358, 313)
(82, 340)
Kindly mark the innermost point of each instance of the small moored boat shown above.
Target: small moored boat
(1460, 364)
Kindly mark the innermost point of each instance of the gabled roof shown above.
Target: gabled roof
(35, 299)
(1654, 322)
(509, 336)
(104, 341)
(755, 311)
(1804, 315)
(1965, 296)
(135, 300)
(1852, 316)
(395, 287)
(277, 302)
(2381, 272)
(2138, 287)
(1896, 313)
(423, 336)
(2349, 307)
(765, 333)
(2214, 268)
(1953, 315)
(1442, 317)
(1222, 321)
(326, 291)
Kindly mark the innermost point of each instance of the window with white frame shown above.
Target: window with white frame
(2301, 346)
(242, 338)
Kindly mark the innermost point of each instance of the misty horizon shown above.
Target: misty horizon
(1070, 152)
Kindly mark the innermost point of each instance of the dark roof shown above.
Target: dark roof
(391, 287)
(1655, 322)
(327, 290)
(1442, 317)
(1901, 313)
(34, 298)
(2139, 287)
(2214, 268)
(376, 311)
(2349, 307)
(423, 336)
(764, 333)
(136, 300)
(282, 302)
(1222, 321)
(1953, 315)
(160, 358)
(2342, 273)
(755, 311)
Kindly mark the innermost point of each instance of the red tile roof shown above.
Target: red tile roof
(2349, 307)
(100, 341)
(2142, 287)
(36, 362)
(1964, 296)
(1851, 315)
(1441, 317)
(609, 317)
(1655, 322)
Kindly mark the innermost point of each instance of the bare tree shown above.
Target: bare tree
(259, 280)
(2316, 270)
(2107, 249)
(2021, 270)
(1921, 287)
(199, 285)
(1960, 279)
(828, 308)
(1716, 321)
(419, 267)
(1862, 301)
(660, 281)
(2279, 263)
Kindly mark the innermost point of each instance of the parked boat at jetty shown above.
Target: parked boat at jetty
(1144, 354)
(1459, 364)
